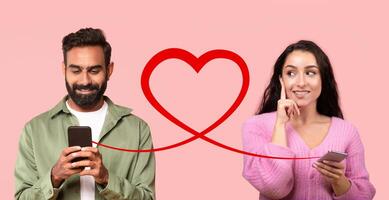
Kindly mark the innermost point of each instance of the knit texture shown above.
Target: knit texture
(297, 179)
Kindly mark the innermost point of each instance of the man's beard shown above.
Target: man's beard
(86, 100)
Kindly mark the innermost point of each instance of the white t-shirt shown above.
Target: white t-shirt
(95, 121)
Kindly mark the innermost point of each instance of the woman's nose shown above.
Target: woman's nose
(301, 80)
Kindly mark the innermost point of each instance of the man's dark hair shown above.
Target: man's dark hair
(87, 37)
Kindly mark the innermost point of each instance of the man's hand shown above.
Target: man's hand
(95, 162)
(63, 168)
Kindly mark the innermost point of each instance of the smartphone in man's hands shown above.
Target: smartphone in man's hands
(79, 136)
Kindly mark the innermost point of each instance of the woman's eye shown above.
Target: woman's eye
(311, 73)
(290, 73)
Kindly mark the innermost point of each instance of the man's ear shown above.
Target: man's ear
(110, 69)
(63, 69)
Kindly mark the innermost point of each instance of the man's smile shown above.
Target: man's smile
(85, 91)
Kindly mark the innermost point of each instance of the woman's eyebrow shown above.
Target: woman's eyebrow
(311, 66)
(291, 66)
(308, 66)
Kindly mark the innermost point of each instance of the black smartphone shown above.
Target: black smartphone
(79, 136)
(333, 156)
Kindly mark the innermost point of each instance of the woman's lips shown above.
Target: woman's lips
(301, 93)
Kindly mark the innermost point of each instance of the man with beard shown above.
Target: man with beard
(44, 167)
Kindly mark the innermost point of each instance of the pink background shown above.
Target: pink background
(353, 33)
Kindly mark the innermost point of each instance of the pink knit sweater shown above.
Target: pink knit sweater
(297, 179)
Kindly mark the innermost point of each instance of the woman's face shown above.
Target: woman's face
(301, 77)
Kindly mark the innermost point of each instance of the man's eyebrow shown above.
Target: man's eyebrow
(87, 68)
(94, 67)
(74, 66)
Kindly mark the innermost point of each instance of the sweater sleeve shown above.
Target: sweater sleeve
(273, 178)
(361, 188)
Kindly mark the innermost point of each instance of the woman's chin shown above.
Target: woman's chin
(303, 104)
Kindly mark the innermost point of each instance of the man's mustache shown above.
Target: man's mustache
(85, 87)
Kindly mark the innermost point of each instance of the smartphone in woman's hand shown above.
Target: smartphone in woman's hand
(333, 156)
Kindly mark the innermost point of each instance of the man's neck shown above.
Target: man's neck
(92, 108)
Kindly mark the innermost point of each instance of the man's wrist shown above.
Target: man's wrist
(55, 181)
(104, 181)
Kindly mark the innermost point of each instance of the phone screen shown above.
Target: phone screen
(79, 136)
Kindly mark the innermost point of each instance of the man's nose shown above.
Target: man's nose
(85, 78)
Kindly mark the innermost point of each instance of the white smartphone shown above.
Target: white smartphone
(333, 156)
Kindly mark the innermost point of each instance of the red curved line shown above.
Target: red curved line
(206, 139)
(197, 66)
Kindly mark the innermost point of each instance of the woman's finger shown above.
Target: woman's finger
(289, 108)
(329, 168)
(337, 165)
(282, 95)
(326, 173)
(293, 112)
(296, 108)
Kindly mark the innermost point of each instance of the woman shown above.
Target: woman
(300, 116)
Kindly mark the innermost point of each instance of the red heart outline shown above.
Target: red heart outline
(197, 64)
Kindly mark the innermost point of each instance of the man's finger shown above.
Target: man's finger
(83, 163)
(69, 150)
(83, 154)
(91, 149)
(80, 154)
(70, 172)
(87, 171)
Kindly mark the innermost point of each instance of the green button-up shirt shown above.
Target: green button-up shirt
(131, 175)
